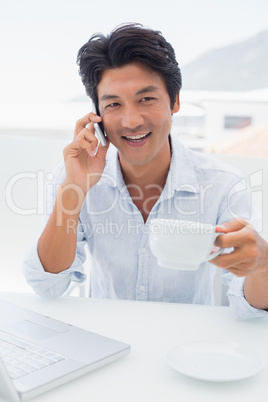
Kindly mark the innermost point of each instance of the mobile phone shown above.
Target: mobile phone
(99, 129)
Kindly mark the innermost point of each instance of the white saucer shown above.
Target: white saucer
(214, 361)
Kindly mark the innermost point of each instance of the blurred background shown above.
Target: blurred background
(222, 49)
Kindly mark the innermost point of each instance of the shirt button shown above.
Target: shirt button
(143, 250)
(142, 288)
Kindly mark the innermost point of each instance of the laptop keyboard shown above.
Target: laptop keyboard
(23, 358)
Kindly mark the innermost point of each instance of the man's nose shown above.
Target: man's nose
(131, 117)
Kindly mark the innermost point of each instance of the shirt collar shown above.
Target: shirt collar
(181, 176)
(182, 171)
(112, 174)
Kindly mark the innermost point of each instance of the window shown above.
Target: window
(236, 122)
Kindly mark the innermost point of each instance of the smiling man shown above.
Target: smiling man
(135, 104)
(105, 196)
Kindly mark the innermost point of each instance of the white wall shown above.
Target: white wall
(255, 171)
(26, 157)
(217, 110)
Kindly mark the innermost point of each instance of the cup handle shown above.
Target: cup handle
(218, 252)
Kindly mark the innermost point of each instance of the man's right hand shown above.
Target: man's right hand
(84, 163)
(84, 168)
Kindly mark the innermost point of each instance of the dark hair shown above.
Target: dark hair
(127, 44)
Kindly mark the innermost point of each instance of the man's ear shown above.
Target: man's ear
(176, 106)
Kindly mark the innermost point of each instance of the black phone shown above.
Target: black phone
(99, 129)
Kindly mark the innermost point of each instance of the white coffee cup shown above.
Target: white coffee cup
(182, 245)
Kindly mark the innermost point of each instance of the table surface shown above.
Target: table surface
(152, 329)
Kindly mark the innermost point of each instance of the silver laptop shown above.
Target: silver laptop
(38, 353)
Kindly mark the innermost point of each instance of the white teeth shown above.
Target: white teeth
(136, 137)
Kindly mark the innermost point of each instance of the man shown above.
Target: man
(106, 198)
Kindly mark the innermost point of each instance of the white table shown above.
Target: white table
(152, 329)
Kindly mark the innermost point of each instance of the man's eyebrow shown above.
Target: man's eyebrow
(150, 88)
(103, 97)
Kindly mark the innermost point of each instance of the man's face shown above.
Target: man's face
(135, 107)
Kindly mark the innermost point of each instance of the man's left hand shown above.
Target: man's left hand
(250, 254)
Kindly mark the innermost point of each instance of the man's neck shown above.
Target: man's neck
(146, 182)
(154, 172)
(143, 176)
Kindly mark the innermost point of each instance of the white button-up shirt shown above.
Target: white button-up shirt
(198, 188)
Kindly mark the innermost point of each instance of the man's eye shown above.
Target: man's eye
(147, 99)
(114, 104)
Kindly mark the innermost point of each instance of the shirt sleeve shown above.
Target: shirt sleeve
(240, 306)
(44, 283)
(239, 204)
(51, 285)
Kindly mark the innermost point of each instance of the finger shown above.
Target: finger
(87, 141)
(239, 270)
(228, 240)
(239, 238)
(102, 150)
(84, 121)
(237, 259)
(232, 226)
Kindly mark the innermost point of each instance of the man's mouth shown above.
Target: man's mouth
(136, 138)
